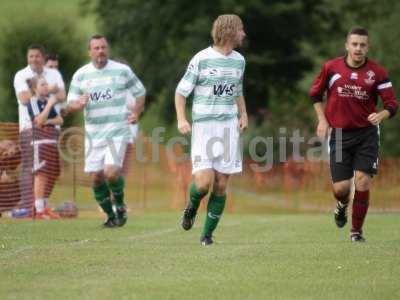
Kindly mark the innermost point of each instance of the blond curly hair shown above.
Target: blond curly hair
(225, 28)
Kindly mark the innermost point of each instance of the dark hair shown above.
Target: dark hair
(37, 47)
(51, 56)
(96, 37)
(358, 30)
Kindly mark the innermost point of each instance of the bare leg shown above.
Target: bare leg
(39, 189)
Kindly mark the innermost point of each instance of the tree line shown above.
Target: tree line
(286, 44)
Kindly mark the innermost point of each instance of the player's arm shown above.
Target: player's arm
(24, 97)
(58, 88)
(183, 124)
(183, 90)
(58, 120)
(139, 105)
(376, 118)
(323, 125)
(59, 93)
(138, 91)
(387, 94)
(22, 89)
(42, 118)
(241, 104)
(77, 105)
(77, 99)
(54, 118)
(316, 95)
(137, 110)
(243, 119)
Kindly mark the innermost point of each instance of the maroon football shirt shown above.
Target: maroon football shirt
(352, 93)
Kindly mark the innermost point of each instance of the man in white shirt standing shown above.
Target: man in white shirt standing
(35, 67)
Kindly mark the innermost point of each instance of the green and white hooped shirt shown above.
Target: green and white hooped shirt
(106, 114)
(216, 81)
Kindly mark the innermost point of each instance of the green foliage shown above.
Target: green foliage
(56, 31)
(162, 38)
(281, 120)
(381, 21)
(159, 40)
(385, 43)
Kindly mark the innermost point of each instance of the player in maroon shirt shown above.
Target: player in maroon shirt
(352, 84)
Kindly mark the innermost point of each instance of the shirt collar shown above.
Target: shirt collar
(103, 68)
(35, 73)
(354, 68)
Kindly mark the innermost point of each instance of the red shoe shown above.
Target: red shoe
(51, 214)
(40, 216)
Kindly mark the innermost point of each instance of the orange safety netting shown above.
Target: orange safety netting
(153, 179)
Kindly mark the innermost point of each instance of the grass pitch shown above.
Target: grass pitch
(277, 256)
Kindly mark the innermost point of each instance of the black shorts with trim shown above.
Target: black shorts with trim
(353, 150)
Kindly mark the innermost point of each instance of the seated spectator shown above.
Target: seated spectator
(10, 159)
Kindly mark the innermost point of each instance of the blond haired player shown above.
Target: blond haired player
(215, 77)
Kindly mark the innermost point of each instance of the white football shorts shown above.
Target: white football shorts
(216, 145)
(112, 153)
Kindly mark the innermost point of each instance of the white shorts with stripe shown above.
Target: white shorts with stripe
(216, 145)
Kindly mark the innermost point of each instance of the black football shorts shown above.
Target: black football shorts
(353, 150)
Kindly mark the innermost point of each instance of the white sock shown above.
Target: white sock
(39, 205)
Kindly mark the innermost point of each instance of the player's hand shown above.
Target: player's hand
(63, 112)
(37, 124)
(322, 129)
(52, 100)
(133, 118)
(53, 88)
(184, 127)
(376, 118)
(83, 100)
(243, 123)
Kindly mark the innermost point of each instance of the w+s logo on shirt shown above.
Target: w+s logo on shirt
(223, 89)
(103, 95)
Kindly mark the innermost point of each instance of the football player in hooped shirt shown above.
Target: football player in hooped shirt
(353, 84)
(103, 89)
(215, 77)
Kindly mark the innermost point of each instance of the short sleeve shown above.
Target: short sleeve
(59, 80)
(134, 85)
(74, 89)
(240, 86)
(319, 85)
(189, 80)
(20, 84)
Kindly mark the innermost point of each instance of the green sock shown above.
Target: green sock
(117, 189)
(102, 195)
(195, 196)
(215, 208)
